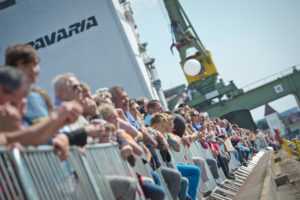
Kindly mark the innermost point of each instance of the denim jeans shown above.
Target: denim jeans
(245, 152)
(240, 154)
(153, 192)
(193, 174)
(156, 178)
(236, 155)
(224, 164)
(183, 189)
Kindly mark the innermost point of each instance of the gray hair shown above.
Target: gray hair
(113, 91)
(102, 90)
(61, 82)
(12, 79)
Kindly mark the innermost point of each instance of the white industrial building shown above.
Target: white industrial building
(95, 39)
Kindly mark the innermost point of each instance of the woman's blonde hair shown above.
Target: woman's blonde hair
(100, 98)
(169, 117)
(158, 118)
(109, 127)
(106, 111)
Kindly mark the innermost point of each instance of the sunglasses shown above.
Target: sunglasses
(76, 86)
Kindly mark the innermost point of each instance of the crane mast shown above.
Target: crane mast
(183, 31)
(206, 86)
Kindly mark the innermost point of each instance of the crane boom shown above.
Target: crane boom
(184, 38)
(205, 84)
(183, 31)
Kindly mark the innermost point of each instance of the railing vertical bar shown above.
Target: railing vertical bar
(7, 183)
(39, 186)
(13, 176)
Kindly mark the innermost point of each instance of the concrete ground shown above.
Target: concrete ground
(290, 167)
(251, 190)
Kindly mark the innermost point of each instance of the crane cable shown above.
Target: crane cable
(166, 17)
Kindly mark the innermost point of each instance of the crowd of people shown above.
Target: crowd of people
(139, 126)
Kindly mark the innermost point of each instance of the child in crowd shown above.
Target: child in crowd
(109, 135)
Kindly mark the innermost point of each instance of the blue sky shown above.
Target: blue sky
(249, 40)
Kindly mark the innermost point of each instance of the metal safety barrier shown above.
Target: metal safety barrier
(145, 169)
(291, 147)
(36, 173)
(182, 158)
(143, 166)
(10, 186)
(105, 160)
(44, 176)
(196, 152)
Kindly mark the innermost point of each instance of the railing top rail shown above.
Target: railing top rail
(103, 145)
(271, 78)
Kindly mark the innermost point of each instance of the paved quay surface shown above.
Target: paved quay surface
(290, 167)
(251, 190)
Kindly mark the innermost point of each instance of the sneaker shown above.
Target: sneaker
(229, 176)
(206, 193)
(245, 164)
(231, 173)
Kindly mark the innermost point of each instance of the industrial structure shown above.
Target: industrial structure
(208, 91)
(96, 40)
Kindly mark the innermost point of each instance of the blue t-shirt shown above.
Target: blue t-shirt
(132, 120)
(196, 127)
(36, 108)
(147, 120)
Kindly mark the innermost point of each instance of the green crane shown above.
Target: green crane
(185, 35)
(209, 91)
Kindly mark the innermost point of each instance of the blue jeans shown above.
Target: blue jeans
(245, 153)
(236, 155)
(193, 174)
(154, 192)
(275, 147)
(240, 154)
(184, 187)
(156, 178)
(223, 163)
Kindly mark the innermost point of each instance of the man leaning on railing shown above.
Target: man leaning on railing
(12, 102)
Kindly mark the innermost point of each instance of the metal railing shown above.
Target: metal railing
(36, 173)
(105, 161)
(10, 186)
(288, 147)
(44, 176)
(271, 78)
